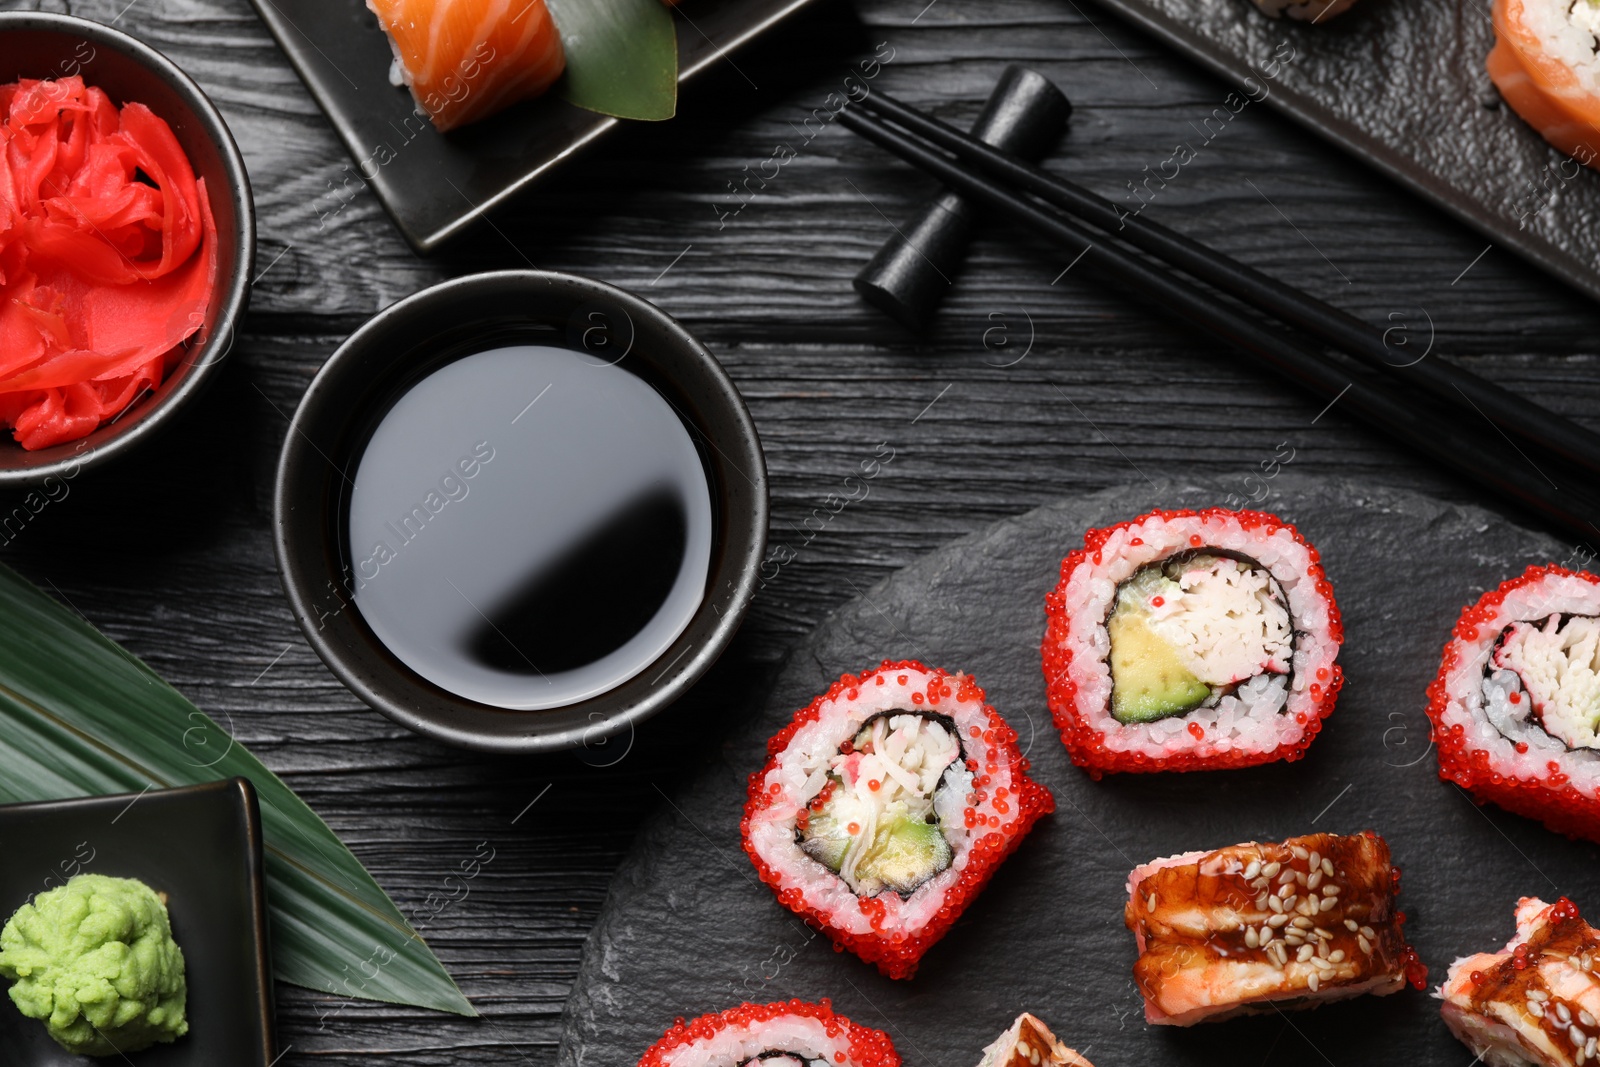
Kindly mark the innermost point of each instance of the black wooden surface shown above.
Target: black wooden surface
(170, 551)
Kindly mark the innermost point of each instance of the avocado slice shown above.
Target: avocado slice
(1148, 678)
(905, 853)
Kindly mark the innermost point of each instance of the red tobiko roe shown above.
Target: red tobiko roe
(1552, 799)
(896, 953)
(108, 257)
(867, 1047)
(1086, 746)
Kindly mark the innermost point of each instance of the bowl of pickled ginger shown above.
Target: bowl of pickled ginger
(127, 238)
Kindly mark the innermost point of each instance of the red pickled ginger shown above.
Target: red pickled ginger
(108, 257)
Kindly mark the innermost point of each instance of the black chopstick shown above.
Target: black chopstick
(1455, 385)
(1420, 428)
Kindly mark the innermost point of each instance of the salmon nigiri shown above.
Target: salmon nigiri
(1544, 64)
(466, 59)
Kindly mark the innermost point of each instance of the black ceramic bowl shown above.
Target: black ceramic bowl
(416, 336)
(39, 45)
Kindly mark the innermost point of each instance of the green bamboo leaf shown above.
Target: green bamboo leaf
(80, 716)
(622, 56)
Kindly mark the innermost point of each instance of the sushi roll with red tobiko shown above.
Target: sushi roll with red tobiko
(786, 1034)
(886, 806)
(1516, 703)
(1191, 640)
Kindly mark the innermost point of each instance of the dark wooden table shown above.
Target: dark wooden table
(169, 552)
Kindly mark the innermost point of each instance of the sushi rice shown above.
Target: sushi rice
(885, 807)
(784, 1034)
(1251, 608)
(1516, 702)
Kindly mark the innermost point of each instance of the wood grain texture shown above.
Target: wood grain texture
(170, 552)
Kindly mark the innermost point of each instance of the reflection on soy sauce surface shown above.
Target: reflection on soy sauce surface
(596, 598)
(529, 526)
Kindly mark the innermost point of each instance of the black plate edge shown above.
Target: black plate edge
(1374, 153)
(285, 32)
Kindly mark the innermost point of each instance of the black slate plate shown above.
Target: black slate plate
(1401, 85)
(201, 845)
(435, 185)
(688, 929)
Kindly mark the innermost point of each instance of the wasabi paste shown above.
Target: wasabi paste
(95, 961)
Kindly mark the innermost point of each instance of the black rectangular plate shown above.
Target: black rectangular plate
(435, 185)
(1401, 85)
(199, 844)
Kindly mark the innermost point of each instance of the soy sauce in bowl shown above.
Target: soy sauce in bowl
(529, 526)
(521, 511)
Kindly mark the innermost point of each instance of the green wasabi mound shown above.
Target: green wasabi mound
(95, 961)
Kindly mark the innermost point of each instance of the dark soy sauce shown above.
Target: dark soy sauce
(529, 527)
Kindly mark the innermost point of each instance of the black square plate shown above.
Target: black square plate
(434, 185)
(1401, 85)
(201, 845)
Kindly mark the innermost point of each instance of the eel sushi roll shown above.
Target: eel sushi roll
(1537, 1001)
(1546, 66)
(1191, 640)
(1517, 701)
(886, 806)
(1256, 928)
(1029, 1043)
(786, 1034)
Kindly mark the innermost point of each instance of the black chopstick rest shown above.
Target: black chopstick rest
(1024, 115)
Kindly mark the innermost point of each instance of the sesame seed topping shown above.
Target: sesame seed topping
(1261, 902)
(1322, 964)
(1364, 945)
(1563, 1013)
(1275, 904)
(1533, 994)
(1305, 954)
(1585, 1018)
(1277, 920)
(1250, 938)
(1352, 925)
(1251, 871)
(1285, 891)
(1315, 860)
(1575, 1034)
(1303, 923)
(1300, 853)
(1271, 869)
(1336, 956)
(1315, 880)
(1329, 902)
(1150, 903)
(1367, 932)
(1289, 902)
(1324, 934)
(1311, 981)
(1294, 937)
(1327, 866)
(1286, 877)
(1331, 890)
